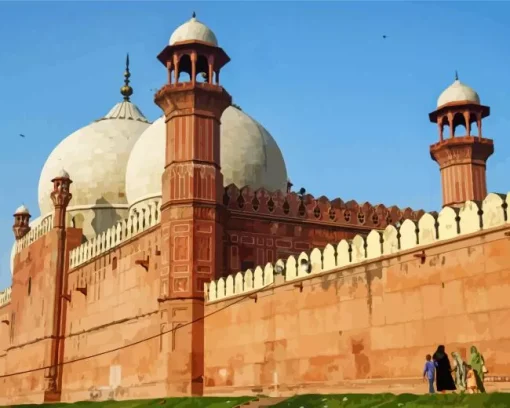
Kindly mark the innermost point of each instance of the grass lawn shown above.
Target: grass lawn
(205, 402)
(493, 400)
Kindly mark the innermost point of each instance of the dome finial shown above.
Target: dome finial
(126, 91)
(456, 75)
(194, 15)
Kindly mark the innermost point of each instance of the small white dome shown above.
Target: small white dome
(96, 156)
(458, 92)
(63, 174)
(193, 30)
(22, 210)
(249, 156)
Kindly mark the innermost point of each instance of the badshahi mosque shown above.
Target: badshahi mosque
(188, 248)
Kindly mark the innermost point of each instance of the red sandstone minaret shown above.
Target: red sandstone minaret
(192, 208)
(21, 220)
(461, 158)
(192, 182)
(61, 197)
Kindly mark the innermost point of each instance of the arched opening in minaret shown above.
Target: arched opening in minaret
(474, 126)
(184, 68)
(202, 69)
(445, 127)
(459, 125)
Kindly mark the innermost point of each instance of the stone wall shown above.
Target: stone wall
(366, 309)
(30, 321)
(120, 307)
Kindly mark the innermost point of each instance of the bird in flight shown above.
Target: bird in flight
(384, 36)
(21, 135)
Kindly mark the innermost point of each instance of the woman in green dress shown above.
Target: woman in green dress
(477, 362)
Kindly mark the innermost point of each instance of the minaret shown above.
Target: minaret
(192, 187)
(61, 197)
(461, 158)
(21, 220)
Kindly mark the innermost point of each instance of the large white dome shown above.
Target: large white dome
(458, 92)
(193, 30)
(95, 157)
(249, 156)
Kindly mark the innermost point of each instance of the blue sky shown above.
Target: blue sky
(347, 107)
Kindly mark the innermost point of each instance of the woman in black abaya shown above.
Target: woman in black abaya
(444, 379)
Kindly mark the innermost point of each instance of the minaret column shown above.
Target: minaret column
(192, 211)
(61, 197)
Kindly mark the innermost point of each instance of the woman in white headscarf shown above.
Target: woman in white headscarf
(459, 368)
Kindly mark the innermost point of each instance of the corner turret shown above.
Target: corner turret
(21, 220)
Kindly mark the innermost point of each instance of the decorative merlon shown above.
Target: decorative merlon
(138, 221)
(449, 223)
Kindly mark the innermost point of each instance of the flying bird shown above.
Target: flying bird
(384, 36)
(21, 135)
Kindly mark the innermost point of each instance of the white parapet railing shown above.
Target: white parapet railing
(37, 230)
(449, 223)
(144, 217)
(5, 296)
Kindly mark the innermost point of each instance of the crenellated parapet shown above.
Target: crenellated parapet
(449, 223)
(5, 296)
(38, 229)
(321, 209)
(138, 221)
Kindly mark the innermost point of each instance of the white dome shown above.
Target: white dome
(63, 174)
(22, 210)
(193, 30)
(458, 92)
(96, 157)
(249, 156)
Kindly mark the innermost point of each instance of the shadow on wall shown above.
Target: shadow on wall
(77, 222)
(104, 218)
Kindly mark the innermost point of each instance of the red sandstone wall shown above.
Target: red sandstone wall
(5, 312)
(30, 320)
(253, 241)
(373, 321)
(120, 307)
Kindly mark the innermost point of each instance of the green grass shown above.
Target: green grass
(205, 402)
(493, 400)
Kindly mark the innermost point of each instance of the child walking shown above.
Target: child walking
(429, 372)
(471, 385)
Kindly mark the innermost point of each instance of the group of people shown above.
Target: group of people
(466, 377)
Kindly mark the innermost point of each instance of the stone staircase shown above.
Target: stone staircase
(262, 402)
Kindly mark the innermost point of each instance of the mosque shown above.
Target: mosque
(189, 248)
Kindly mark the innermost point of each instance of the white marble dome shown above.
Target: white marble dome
(193, 30)
(458, 92)
(22, 210)
(95, 156)
(249, 156)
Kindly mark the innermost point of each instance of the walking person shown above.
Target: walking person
(459, 368)
(477, 362)
(444, 380)
(429, 372)
(472, 387)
